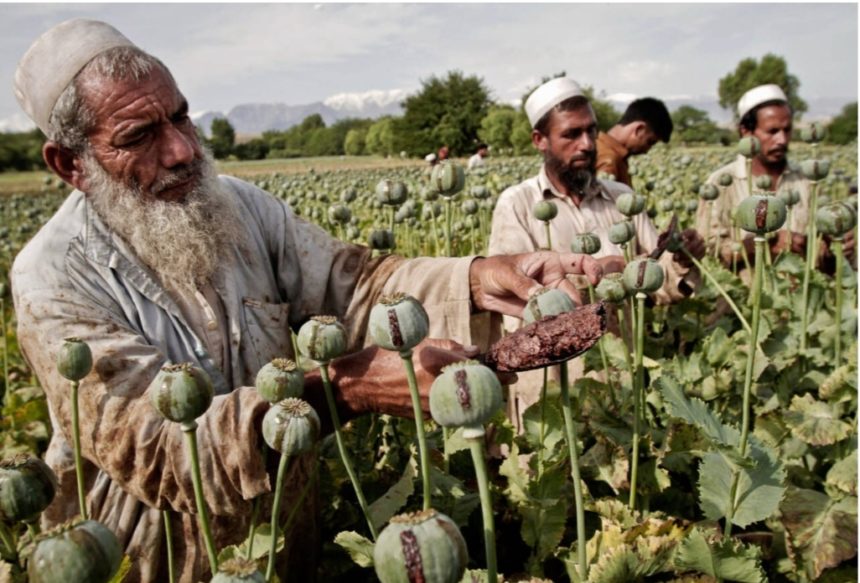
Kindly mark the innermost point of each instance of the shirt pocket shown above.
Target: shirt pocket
(269, 330)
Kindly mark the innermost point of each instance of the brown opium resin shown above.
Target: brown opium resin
(548, 341)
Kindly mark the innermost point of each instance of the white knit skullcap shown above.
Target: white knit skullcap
(758, 95)
(53, 60)
(549, 95)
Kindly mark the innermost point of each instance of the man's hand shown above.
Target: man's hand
(788, 241)
(504, 283)
(694, 244)
(612, 264)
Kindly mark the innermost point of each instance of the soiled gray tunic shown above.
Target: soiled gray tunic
(75, 278)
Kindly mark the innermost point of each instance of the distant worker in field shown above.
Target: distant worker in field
(477, 159)
(764, 112)
(443, 154)
(645, 122)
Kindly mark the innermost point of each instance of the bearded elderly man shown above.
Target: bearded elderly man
(564, 131)
(155, 259)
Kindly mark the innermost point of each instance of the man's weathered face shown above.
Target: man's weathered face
(773, 130)
(143, 136)
(569, 149)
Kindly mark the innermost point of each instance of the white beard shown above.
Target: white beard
(183, 243)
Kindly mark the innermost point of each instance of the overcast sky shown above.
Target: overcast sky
(226, 54)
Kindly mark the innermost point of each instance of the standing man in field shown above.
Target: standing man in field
(154, 258)
(477, 159)
(564, 131)
(645, 122)
(764, 113)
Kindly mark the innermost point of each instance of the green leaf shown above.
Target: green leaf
(695, 412)
(617, 565)
(815, 422)
(822, 530)
(843, 474)
(451, 497)
(607, 462)
(262, 542)
(728, 560)
(543, 525)
(553, 426)
(517, 490)
(387, 505)
(839, 385)
(759, 488)
(718, 347)
(358, 547)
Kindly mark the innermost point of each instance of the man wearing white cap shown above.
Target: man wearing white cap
(155, 259)
(764, 112)
(565, 131)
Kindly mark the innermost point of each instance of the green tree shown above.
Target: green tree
(693, 125)
(446, 111)
(353, 144)
(843, 127)
(255, 149)
(380, 137)
(223, 138)
(498, 125)
(749, 73)
(521, 136)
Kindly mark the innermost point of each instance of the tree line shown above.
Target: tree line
(456, 110)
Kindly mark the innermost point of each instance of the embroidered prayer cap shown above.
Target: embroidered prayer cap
(53, 60)
(758, 95)
(549, 95)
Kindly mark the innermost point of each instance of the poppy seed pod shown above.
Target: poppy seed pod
(630, 204)
(291, 427)
(339, 213)
(77, 551)
(348, 195)
(691, 205)
(763, 182)
(547, 301)
(391, 192)
(466, 394)
(622, 232)
(586, 243)
(789, 197)
(181, 392)
(280, 379)
(725, 179)
(238, 570)
(398, 322)
(709, 192)
(749, 146)
(760, 214)
(815, 169)
(813, 133)
(322, 338)
(545, 210)
(611, 288)
(381, 239)
(27, 487)
(835, 219)
(420, 546)
(448, 178)
(75, 360)
(643, 275)
(480, 191)
(469, 206)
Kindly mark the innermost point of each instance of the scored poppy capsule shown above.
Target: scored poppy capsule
(322, 338)
(815, 169)
(448, 178)
(760, 214)
(75, 360)
(398, 322)
(420, 546)
(643, 275)
(78, 550)
(545, 302)
(291, 427)
(27, 487)
(630, 204)
(280, 379)
(238, 570)
(586, 243)
(749, 146)
(835, 219)
(466, 394)
(391, 192)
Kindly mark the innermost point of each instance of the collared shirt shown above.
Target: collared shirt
(714, 221)
(612, 158)
(476, 161)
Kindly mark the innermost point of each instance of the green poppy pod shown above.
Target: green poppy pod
(679, 205)
(547, 301)
(420, 546)
(291, 427)
(381, 239)
(429, 195)
(27, 487)
(760, 214)
(348, 195)
(813, 133)
(763, 182)
(398, 322)
(789, 197)
(448, 178)
(691, 205)
(709, 192)
(725, 179)
(322, 338)
(586, 243)
(611, 288)
(480, 192)
(643, 275)
(669, 188)
(339, 214)
(466, 394)
(545, 210)
(280, 379)
(815, 169)
(665, 205)
(835, 219)
(238, 570)
(470, 206)
(79, 551)
(622, 232)
(630, 204)
(181, 392)
(75, 360)
(649, 185)
(391, 192)
(749, 146)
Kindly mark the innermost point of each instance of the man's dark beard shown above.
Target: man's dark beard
(576, 180)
